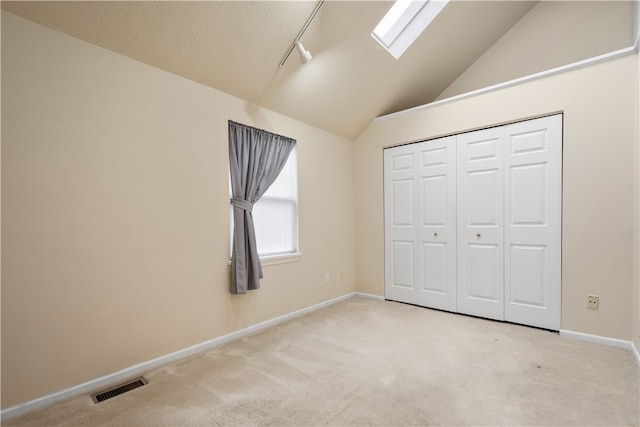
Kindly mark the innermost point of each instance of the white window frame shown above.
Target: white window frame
(283, 257)
(404, 22)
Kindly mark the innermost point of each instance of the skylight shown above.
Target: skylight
(404, 22)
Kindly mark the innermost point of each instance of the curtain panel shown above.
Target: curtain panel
(256, 158)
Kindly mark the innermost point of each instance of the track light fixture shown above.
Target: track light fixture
(305, 55)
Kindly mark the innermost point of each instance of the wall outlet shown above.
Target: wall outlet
(327, 278)
(593, 301)
(341, 274)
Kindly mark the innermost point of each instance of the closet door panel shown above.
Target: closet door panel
(401, 223)
(480, 223)
(533, 200)
(437, 229)
(482, 264)
(434, 264)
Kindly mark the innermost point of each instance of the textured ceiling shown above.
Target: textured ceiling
(236, 46)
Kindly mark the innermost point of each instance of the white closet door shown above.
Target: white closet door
(473, 223)
(533, 201)
(420, 223)
(437, 228)
(480, 223)
(401, 224)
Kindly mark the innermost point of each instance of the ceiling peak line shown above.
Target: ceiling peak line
(296, 42)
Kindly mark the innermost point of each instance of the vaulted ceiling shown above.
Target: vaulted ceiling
(236, 46)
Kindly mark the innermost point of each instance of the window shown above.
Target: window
(404, 22)
(275, 215)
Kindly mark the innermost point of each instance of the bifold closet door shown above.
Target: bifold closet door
(533, 214)
(473, 223)
(420, 230)
(480, 223)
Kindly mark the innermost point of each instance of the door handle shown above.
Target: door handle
(435, 235)
(478, 235)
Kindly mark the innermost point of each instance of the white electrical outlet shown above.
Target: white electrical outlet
(593, 301)
(327, 278)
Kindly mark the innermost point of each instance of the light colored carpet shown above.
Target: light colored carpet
(364, 362)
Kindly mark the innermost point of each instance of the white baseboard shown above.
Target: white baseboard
(144, 367)
(370, 296)
(612, 342)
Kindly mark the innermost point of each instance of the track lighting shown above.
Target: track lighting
(305, 55)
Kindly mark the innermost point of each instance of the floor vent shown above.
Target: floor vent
(113, 392)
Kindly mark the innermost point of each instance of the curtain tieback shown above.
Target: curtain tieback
(242, 204)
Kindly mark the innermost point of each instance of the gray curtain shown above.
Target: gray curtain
(256, 158)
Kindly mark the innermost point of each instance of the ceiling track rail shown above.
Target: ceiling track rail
(301, 33)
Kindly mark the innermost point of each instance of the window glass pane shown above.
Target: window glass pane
(275, 214)
(284, 185)
(273, 220)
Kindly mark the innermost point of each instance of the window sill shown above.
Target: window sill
(278, 259)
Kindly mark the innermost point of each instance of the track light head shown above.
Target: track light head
(305, 55)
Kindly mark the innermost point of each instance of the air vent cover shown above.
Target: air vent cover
(115, 391)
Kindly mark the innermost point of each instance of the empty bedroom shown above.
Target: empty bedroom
(320, 213)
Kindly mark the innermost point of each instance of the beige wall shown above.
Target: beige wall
(552, 34)
(115, 214)
(598, 189)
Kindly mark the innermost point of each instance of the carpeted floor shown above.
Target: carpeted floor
(364, 362)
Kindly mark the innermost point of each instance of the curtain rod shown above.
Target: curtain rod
(301, 33)
(261, 130)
